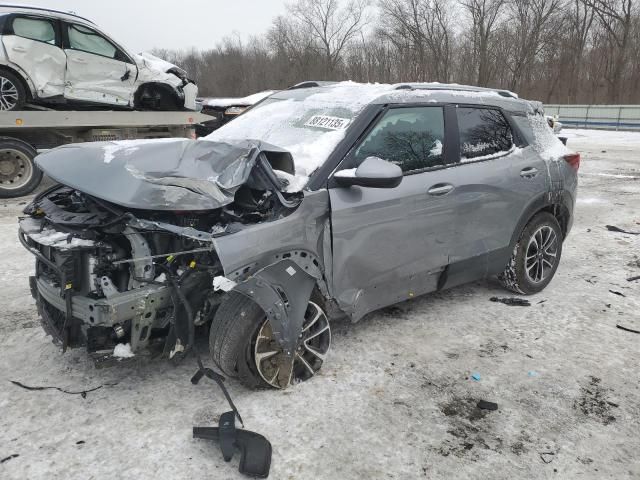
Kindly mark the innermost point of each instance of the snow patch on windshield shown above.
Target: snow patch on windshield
(282, 122)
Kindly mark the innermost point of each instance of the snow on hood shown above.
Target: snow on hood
(163, 174)
(242, 101)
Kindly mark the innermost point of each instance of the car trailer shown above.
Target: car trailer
(23, 134)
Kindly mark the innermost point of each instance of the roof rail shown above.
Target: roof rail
(44, 9)
(448, 86)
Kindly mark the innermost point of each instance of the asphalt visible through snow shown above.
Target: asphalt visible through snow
(397, 396)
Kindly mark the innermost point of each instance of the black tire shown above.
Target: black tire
(233, 336)
(19, 174)
(525, 273)
(12, 93)
(155, 98)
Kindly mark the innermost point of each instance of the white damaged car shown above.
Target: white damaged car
(54, 59)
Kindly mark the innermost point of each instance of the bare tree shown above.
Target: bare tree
(576, 51)
(618, 19)
(331, 26)
(484, 18)
(422, 29)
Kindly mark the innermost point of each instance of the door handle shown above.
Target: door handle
(79, 60)
(19, 49)
(440, 189)
(528, 172)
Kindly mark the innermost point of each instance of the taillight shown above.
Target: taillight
(573, 159)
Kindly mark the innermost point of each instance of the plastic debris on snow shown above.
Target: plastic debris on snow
(613, 228)
(485, 405)
(512, 301)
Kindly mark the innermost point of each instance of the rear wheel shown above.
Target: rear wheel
(18, 173)
(535, 257)
(12, 93)
(242, 344)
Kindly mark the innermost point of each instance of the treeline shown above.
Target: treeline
(556, 51)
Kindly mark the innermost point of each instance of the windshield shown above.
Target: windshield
(309, 124)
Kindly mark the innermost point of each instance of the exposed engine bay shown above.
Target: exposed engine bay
(109, 274)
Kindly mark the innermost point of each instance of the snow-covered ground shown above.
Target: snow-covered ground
(395, 399)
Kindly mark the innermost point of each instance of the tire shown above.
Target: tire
(156, 98)
(530, 268)
(234, 342)
(19, 174)
(12, 93)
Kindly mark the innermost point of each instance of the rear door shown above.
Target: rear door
(33, 44)
(498, 177)
(392, 244)
(97, 69)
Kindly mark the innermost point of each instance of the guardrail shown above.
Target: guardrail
(605, 117)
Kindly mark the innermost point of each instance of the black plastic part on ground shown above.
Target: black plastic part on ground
(512, 301)
(255, 450)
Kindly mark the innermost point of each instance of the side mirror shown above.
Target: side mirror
(373, 172)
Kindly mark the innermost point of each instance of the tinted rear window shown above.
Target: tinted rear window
(484, 132)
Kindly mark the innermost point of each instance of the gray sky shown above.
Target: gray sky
(176, 24)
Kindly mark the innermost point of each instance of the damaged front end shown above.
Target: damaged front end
(127, 246)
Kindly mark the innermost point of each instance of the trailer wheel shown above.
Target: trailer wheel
(19, 174)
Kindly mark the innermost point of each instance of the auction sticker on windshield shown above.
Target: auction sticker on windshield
(328, 122)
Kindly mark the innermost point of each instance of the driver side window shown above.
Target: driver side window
(411, 137)
(86, 40)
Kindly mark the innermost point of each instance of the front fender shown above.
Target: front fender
(282, 290)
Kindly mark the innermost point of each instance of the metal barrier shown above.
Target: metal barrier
(605, 117)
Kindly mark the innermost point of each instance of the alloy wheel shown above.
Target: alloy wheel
(313, 345)
(8, 94)
(541, 256)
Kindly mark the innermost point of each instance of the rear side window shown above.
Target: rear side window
(412, 138)
(484, 133)
(86, 40)
(34, 29)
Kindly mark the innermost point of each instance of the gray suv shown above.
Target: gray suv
(326, 200)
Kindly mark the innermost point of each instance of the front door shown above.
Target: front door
(33, 44)
(392, 244)
(97, 70)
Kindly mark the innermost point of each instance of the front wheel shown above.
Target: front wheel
(242, 345)
(535, 257)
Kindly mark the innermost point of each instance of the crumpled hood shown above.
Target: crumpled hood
(156, 63)
(163, 174)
